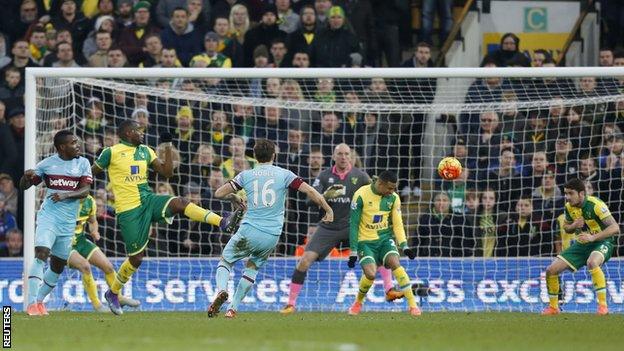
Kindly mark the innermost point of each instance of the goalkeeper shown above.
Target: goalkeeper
(375, 217)
(337, 184)
(137, 206)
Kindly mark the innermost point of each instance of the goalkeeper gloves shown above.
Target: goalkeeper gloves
(166, 137)
(352, 260)
(334, 191)
(410, 253)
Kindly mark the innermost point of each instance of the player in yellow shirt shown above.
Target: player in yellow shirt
(89, 251)
(375, 220)
(594, 227)
(137, 206)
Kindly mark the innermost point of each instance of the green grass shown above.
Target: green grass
(66, 331)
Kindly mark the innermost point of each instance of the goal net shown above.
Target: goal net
(483, 240)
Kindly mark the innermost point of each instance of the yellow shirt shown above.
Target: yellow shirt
(127, 172)
(85, 211)
(593, 211)
(227, 167)
(375, 217)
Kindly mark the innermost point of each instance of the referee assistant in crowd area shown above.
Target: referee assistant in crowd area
(337, 184)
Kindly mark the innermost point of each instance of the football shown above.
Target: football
(449, 168)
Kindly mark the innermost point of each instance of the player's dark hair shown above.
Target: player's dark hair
(575, 184)
(125, 126)
(388, 176)
(61, 136)
(264, 150)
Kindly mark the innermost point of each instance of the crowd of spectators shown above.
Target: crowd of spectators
(508, 201)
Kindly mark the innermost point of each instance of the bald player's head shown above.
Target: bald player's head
(342, 156)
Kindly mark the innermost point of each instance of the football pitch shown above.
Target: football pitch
(155, 331)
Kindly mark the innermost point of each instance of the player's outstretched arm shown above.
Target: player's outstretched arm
(28, 179)
(318, 199)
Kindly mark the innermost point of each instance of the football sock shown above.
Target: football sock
(600, 285)
(405, 285)
(110, 278)
(123, 275)
(223, 275)
(89, 284)
(386, 275)
(296, 283)
(49, 282)
(552, 285)
(199, 214)
(35, 277)
(365, 285)
(244, 284)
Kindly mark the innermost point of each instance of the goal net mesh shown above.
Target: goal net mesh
(518, 139)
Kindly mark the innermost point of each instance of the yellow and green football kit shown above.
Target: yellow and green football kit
(376, 225)
(135, 203)
(80, 243)
(593, 212)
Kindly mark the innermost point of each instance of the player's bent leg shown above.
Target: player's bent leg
(298, 278)
(405, 284)
(595, 260)
(35, 278)
(77, 261)
(552, 285)
(99, 259)
(126, 270)
(179, 205)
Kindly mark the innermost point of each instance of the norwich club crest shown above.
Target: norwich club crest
(354, 180)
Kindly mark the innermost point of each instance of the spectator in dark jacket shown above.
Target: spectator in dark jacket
(510, 50)
(301, 39)
(441, 233)
(521, 234)
(132, 38)
(362, 20)
(21, 57)
(11, 91)
(227, 46)
(263, 34)
(484, 146)
(73, 20)
(17, 124)
(182, 35)
(7, 221)
(335, 44)
(421, 90)
(14, 244)
(165, 8)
